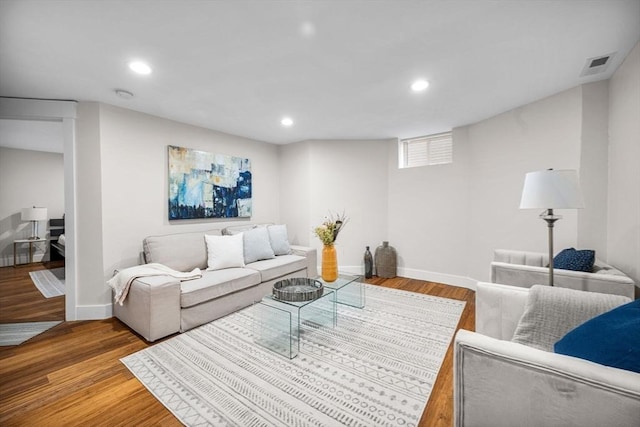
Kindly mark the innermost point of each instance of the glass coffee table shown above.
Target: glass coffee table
(278, 324)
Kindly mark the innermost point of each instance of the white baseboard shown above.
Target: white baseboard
(94, 312)
(447, 279)
(430, 276)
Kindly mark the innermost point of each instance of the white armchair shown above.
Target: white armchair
(502, 383)
(519, 268)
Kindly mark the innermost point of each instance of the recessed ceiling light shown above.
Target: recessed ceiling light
(308, 29)
(419, 85)
(140, 67)
(286, 121)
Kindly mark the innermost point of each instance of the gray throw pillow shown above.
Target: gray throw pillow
(257, 245)
(279, 239)
(551, 312)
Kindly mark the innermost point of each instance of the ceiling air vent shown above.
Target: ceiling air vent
(597, 65)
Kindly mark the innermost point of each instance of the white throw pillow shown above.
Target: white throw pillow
(257, 245)
(279, 239)
(224, 251)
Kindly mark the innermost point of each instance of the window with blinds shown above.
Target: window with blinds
(426, 150)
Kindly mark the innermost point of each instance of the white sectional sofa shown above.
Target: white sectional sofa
(520, 268)
(498, 382)
(158, 306)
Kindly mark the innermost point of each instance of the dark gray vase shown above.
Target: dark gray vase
(386, 260)
(368, 264)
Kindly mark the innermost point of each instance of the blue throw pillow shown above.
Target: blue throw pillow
(571, 259)
(611, 339)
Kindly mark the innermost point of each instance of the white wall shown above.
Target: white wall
(133, 185)
(319, 177)
(541, 135)
(295, 191)
(623, 238)
(90, 290)
(428, 215)
(592, 221)
(446, 220)
(28, 178)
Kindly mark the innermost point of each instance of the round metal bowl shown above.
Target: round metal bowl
(298, 289)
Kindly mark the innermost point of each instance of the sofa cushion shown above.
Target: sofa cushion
(611, 339)
(551, 312)
(214, 284)
(256, 245)
(571, 259)
(224, 251)
(279, 239)
(279, 266)
(182, 252)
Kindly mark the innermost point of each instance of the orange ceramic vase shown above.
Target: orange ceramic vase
(329, 263)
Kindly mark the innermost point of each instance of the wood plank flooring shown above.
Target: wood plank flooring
(71, 375)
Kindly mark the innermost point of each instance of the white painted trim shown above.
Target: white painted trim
(429, 276)
(350, 269)
(94, 312)
(36, 109)
(71, 268)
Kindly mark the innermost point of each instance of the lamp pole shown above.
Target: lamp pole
(551, 219)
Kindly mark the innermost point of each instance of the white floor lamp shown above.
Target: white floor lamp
(551, 189)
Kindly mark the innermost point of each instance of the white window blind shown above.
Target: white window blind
(426, 150)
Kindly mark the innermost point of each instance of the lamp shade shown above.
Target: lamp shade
(34, 214)
(552, 189)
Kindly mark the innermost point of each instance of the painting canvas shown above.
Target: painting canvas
(206, 185)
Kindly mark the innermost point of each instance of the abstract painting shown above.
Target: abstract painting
(206, 185)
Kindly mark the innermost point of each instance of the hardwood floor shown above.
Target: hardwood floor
(71, 375)
(21, 301)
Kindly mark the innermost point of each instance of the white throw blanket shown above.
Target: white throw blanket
(123, 279)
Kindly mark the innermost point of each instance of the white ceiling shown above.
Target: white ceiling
(340, 69)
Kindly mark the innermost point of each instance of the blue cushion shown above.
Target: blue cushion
(611, 339)
(571, 259)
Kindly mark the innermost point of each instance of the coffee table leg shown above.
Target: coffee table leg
(276, 329)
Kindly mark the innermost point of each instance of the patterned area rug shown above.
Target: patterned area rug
(376, 368)
(17, 333)
(50, 283)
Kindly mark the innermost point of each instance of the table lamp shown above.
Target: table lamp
(34, 215)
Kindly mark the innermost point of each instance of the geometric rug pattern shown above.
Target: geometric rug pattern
(377, 367)
(49, 282)
(17, 333)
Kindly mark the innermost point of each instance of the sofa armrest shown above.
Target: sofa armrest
(499, 308)
(527, 276)
(312, 258)
(152, 307)
(500, 383)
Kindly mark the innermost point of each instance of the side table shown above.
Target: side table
(23, 241)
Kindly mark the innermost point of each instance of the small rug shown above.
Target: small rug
(50, 283)
(17, 333)
(376, 368)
